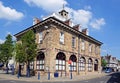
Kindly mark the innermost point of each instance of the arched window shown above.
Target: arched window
(74, 63)
(96, 65)
(89, 64)
(60, 61)
(82, 63)
(40, 61)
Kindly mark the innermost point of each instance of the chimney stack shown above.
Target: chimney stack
(85, 31)
(68, 22)
(77, 27)
(35, 21)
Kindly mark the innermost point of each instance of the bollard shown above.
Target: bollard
(71, 71)
(48, 75)
(18, 74)
(38, 75)
(13, 70)
(71, 75)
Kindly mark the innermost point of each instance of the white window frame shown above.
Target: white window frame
(73, 41)
(90, 65)
(40, 65)
(62, 37)
(83, 44)
(60, 65)
(96, 49)
(90, 47)
(32, 65)
(82, 64)
(40, 37)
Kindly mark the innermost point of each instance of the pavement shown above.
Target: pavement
(45, 78)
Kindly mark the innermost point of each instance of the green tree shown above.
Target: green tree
(20, 56)
(1, 57)
(7, 50)
(27, 50)
(103, 63)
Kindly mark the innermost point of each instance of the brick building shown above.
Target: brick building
(59, 42)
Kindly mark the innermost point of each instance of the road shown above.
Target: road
(111, 78)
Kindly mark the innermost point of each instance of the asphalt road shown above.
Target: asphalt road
(111, 78)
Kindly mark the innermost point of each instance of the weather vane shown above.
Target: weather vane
(63, 6)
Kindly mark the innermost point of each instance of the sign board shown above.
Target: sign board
(69, 62)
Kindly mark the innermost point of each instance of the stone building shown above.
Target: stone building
(60, 42)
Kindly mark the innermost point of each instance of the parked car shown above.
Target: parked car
(108, 70)
(1, 64)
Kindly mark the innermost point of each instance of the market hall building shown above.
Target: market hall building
(63, 47)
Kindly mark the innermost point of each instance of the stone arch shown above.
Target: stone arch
(40, 59)
(82, 63)
(60, 61)
(96, 65)
(73, 65)
(90, 64)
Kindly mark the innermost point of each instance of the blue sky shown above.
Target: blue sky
(101, 17)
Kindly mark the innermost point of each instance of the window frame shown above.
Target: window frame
(73, 42)
(62, 37)
(83, 45)
(90, 65)
(32, 65)
(40, 37)
(82, 64)
(40, 61)
(60, 66)
(90, 47)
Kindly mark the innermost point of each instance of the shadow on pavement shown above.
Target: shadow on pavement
(115, 78)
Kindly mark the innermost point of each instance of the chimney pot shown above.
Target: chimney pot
(35, 21)
(85, 31)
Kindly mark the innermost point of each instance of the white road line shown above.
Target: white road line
(12, 81)
(85, 81)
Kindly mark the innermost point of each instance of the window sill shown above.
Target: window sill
(62, 43)
(39, 69)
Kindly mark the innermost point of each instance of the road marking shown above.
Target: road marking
(85, 81)
(13, 81)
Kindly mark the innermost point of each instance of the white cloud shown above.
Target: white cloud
(80, 16)
(97, 23)
(105, 51)
(48, 5)
(1, 41)
(13, 37)
(9, 13)
(87, 7)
